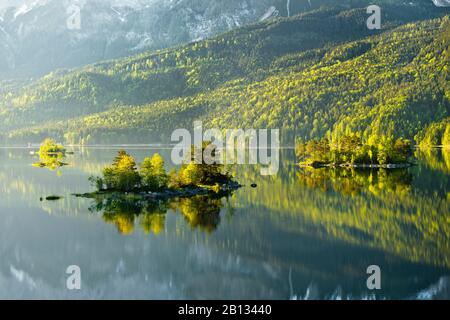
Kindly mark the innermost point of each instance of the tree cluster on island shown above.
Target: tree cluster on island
(51, 155)
(350, 150)
(50, 146)
(124, 175)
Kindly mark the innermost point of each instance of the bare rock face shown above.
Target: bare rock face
(39, 36)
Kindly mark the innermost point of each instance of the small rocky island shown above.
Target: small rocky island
(150, 182)
(349, 151)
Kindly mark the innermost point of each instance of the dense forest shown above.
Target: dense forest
(319, 74)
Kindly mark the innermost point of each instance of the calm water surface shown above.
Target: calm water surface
(298, 235)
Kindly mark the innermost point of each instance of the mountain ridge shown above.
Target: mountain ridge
(35, 38)
(171, 84)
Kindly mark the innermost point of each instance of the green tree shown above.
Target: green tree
(96, 182)
(190, 174)
(49, 146)
(207, 172)
(153, 174)
(122, 175)
(402, 151)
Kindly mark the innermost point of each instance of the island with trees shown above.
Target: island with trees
(150, 181)
(350, 151)
(51, 155)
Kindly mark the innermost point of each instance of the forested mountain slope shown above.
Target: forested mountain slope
(317, 73)
(35, 37)
(39, 36)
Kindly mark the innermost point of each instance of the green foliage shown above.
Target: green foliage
(122, 175)
(318, 73)
(205, 172)
(349, 149)
(436, 134)
(49, 146)
(51, 155)
(153, 174)
(190, 175)
(446, 137)
(97, 182)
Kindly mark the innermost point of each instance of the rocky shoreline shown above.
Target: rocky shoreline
(358, 166)
(187, 192)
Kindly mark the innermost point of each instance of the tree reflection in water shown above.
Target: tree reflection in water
(201, 212)
(51, 161)
(126, 211)
(350, 181)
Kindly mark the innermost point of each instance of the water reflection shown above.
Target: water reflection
(351, 181)
(51, 161)
(303, 234)
(401, 212)
(435, 159)
(200, 212)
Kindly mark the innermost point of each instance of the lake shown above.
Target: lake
(302, 234)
